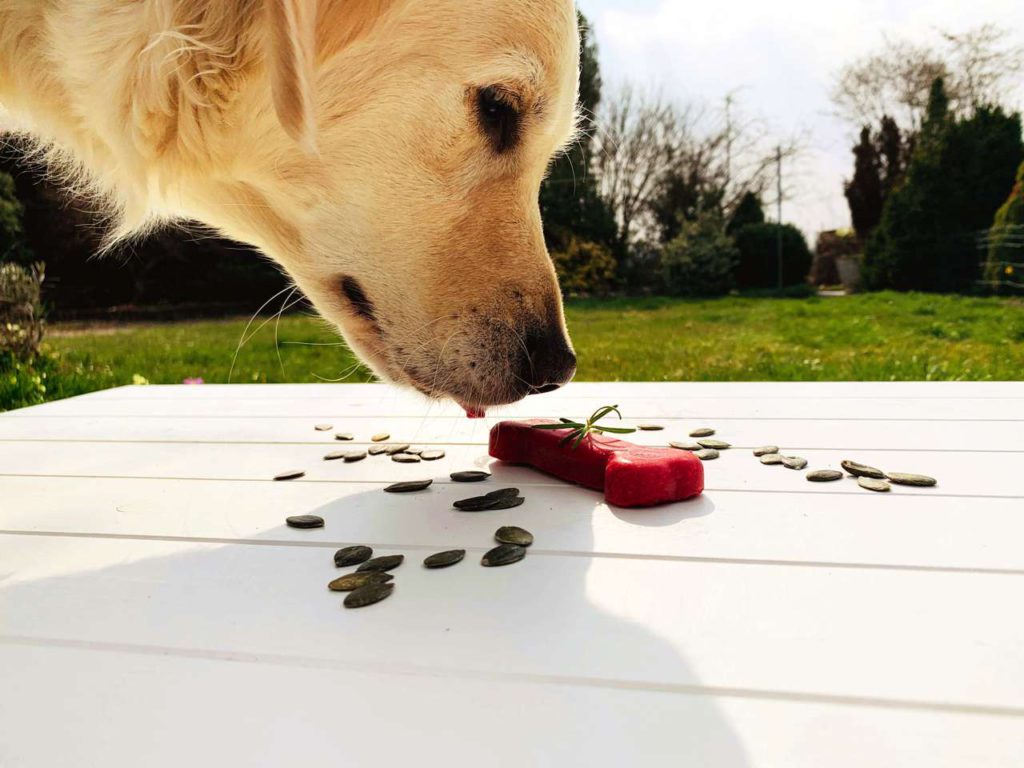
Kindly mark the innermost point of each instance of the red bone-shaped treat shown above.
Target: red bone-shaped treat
(630, 475)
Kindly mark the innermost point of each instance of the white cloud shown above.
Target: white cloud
(783, 54)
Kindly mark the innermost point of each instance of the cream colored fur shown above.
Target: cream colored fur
(338, 137)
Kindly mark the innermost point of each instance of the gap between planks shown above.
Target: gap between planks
(392, 668)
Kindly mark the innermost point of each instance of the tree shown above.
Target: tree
(864, 191)
(701, 260)
(1003, 270)
(957, 178)
(749, 211)
(12, 241)
(978, 67)
(571, 205)
(758, 265)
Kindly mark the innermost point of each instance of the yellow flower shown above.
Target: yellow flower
(139, 380)
(1008, 270)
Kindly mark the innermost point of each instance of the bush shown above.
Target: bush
(12, 243)
(748, 211)
(585, 268)
(759, 261)
(700, 261)
(957, 178)
(1006, 242)
(21, 312)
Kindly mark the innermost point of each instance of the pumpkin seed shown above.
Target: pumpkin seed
(293, 474)
(707, 454)
(351, 581)
(702, 432)
(354, 555)
(650, 427)
(486, 503)
(355, 456)
(794, 462)
(409, 486)
(405, 458)
(862, 470)
(344, 436)
(380, 437)
(873, 484)
(385, 563)
(503, 554)
(334, 455)
(323, 427)
(445, 559)
(718, 445)
(393, 450)
(432, 455)
(503, 493)
(684, 446)
(513, 534)
(376, 450)
(764, 450)
(902, 478)
(470, 476)
(305, 521)
(413, 451)
(368, 595)
(824, 475)
(771, 458)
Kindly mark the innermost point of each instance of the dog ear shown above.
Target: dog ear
(291, 52)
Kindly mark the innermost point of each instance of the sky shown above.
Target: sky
(780, 58)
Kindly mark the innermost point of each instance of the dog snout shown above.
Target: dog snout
(549, 361)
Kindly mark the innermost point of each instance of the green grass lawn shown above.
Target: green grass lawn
(883, 336)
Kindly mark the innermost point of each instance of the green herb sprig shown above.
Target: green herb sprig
(580, 431)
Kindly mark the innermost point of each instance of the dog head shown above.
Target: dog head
(398, 183)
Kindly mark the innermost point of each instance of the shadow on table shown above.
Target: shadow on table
(529, 624)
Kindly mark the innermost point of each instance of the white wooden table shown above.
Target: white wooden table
(156, 611)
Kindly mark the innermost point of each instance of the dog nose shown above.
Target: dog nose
(550, 361)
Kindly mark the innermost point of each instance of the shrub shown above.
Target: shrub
(1006, 242)
(21, 312)
(12, 243)
(748, 211)
(759, 261)
(585, 268)
(700, 261)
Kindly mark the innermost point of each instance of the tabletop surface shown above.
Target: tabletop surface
(156, 610)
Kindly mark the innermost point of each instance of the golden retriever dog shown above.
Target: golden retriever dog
(386, 153)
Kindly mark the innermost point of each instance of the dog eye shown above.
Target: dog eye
(499, 118)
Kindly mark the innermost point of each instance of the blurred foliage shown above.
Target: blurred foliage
(21, 310)
(585, 268)
(1004, 266)
(701, 261)
(759, 258)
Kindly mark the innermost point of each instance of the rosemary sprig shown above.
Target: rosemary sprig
(581, 430)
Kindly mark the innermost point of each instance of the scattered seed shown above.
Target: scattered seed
(650, 427)
(764, 450)
(355, 456)
(380, 437)
(862, 470)
(323, 427)
(368, 595)
(354, 555)
(702, 432)
(718, 445)
(334, 455)
(392, 450)
(503, 554)
(486, 503)
(470, 476)
(503, 493)
(445, 559)
(824, 475)
(346, 436)
(507, 503)
(351, 581)
(684, 446)
(771, 458)
(385, 563)
(305, 521)
(413, 451)
(513, 534)
(873, 484)
(707, 454)
(376, 450)
(405, 458)
(432, 455)
(902, 478)
(409, 487)
(294, 474)
(794, 462)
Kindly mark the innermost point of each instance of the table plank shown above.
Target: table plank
(856, 531)
(271, 712)
(773, 630)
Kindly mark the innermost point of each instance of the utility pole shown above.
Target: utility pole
(778, 228)
(728, 138)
